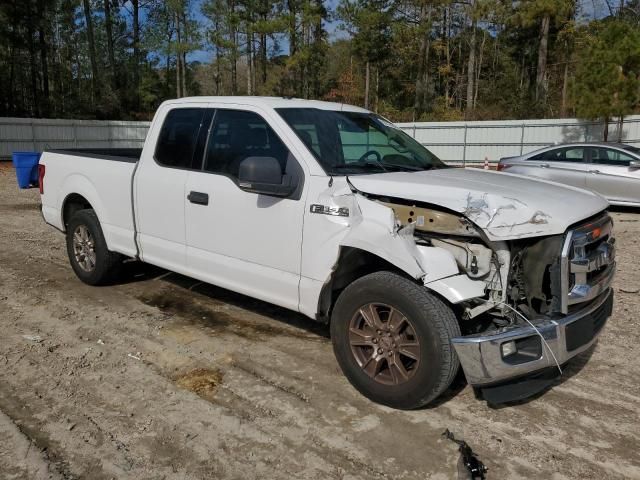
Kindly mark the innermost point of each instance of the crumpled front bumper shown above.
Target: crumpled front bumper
(481, 355)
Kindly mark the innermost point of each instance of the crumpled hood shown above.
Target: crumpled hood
(504, 205)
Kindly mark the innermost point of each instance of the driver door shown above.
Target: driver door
(247, 242)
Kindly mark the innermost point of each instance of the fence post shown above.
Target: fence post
(522, 139)
(75, 134)
(464, 147)
(33, 136)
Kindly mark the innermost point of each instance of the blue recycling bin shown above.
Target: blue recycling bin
(26, 165)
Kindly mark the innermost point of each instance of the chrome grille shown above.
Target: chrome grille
(588, 262)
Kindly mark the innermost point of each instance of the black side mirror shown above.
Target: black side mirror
(264, 175)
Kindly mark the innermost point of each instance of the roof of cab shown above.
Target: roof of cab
(269, 102)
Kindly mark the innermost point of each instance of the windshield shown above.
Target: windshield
(357, 143)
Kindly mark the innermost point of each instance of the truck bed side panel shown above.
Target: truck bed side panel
(104, 183)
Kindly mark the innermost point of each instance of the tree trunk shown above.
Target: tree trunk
(184, 74)
(423, 62)
(178, 57)
(263, 56)
(565, 89)
(136, 52)
(234, 63)
(479, 69)
(293, 37)
(249, 63)
(620, 127)
(109, 28)
(605, 133)
(92, 49)
(185, 39)
(366, 84)
(471, 64)
(541, 72)
(375, 100)
(44, 64)
(35, 110)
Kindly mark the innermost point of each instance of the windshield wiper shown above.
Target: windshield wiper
(408, 168)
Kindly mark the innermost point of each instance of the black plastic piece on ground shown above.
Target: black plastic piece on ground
(520, 389)
(470, 461)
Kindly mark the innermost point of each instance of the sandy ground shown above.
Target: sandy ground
(164, 377)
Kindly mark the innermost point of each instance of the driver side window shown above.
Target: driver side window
(608, 156)
(237, 135)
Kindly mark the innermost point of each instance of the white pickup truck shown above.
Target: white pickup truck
(332, 211)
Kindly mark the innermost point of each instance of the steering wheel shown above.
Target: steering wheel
(371, 152)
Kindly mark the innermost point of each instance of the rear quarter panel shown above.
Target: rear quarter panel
(105, 184)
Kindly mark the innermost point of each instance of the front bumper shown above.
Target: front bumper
(481, 355)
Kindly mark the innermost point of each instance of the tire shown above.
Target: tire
(420, 328)
(103, 266)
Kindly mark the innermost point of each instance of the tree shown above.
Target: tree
(607, 82)
(542, 13)
(369, 23)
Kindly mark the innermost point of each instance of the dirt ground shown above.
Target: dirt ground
(165, 377)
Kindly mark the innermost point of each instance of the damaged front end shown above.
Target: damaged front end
(526, 304)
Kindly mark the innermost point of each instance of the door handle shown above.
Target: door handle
(544, 165)
(199, 198)
(594, 171)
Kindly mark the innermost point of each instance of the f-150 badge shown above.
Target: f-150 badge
(327, 210)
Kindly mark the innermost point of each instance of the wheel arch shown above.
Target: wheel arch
(352, 263)
(71, 204)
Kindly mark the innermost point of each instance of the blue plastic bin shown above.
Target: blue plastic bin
(26, 165)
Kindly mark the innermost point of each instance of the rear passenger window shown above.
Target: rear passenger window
(571, 154)
(237, 135)
(182, 137)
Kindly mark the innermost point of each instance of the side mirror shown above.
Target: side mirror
(634, 165)
(264, 175)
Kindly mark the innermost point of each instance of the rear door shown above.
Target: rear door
(247, 242)
(611, 174)
(160, 185)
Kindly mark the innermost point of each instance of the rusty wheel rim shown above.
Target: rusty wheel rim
(384, 343)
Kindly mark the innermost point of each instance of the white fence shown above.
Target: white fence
(36, 135)
(472, 142)
(453, 142)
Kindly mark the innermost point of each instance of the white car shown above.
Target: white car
(611, 169)
(332, 211)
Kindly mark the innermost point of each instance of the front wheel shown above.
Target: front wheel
(89, 256)
(392, 339)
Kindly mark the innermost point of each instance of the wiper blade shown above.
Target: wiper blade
(406, 167)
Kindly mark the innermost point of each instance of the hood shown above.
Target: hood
(504, 205)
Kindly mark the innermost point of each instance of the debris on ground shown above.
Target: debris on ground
(33, 338)
(475, 469)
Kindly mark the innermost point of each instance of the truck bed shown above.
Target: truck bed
(131, 155)
(103, 178)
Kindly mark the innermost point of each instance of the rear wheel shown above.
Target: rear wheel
(89, 256)
(392, 339)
